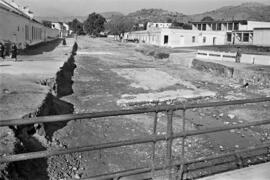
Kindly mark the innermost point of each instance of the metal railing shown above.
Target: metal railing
(171, 165)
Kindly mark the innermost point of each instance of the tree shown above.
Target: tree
(119, 25)
(169, 20)
(47, 23)
(176, 24)
(207, 18)
(94, 24)
(76, 26)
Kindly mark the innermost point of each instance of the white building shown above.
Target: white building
(17, 25)
(64, 29)
(261, 37)
(202, 34)
(237, 32)
(151, 25)
(178, 37)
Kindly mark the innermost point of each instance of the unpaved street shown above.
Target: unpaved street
(112, 75)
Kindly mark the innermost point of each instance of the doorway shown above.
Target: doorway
(166, 39)
(182, 40)
(214, 40)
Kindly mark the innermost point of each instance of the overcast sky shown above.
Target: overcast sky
(84, 7)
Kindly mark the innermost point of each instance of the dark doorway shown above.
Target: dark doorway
(214, 40)
(166, 39)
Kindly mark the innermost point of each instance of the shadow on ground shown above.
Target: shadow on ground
(41, 48)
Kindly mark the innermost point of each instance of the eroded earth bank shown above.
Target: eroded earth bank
(110, 76)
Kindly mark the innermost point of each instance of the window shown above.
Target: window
(236, 26)
(214, 27)
(214, 40)
(204, 39)
(26, 33)
(33, 33)
(166, 39)
(239, 35)
(204, 27)
(193, 39)
(199, 27)
(230, 26)
(246, 37)
(219, 27)
(229, 37)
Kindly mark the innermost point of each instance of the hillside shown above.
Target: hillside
(249, 11)
(157, 15)
(107, 15)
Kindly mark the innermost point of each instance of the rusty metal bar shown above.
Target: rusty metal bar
(224, 161)
(149, 139)
(146, 170)
(154, 143)
(69, 117)
(169, 141)
(181, 173)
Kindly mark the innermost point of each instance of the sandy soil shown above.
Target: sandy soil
(110, 74)
(20, 90)
(106, 73)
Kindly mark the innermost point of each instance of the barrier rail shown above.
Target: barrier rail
(153, 139)
(231, 57)
(216, 55)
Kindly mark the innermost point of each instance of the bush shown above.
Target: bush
(162, 55)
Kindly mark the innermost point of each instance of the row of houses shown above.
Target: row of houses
(205, 33)
(18, 25)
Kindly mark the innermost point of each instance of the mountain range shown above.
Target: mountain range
(245, 11)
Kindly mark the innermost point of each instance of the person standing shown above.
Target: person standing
(14, 52)
(238, 55)
(2, 51)
(64, 41)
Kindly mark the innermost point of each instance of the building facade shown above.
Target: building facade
(178, 37)
(17, 26)
(203, 34)
(237, 32)
(63, 28)
(261, 37)
(152, 25)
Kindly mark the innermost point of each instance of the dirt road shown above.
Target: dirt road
(112, 75)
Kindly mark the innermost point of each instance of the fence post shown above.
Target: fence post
(182, 167)
(169, 141)
(154, 144)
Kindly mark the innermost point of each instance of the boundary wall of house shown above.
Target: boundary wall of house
(231, 57)
(15, 28)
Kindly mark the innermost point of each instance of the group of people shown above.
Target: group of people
(4, 51)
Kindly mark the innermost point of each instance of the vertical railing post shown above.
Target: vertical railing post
(182, 167)
(169, 141)
(154, 144)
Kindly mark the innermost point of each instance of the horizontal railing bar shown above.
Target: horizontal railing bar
(146, 170)
(69, 117)
(150, 138)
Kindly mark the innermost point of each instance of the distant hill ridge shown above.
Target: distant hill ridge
(107, 15)
(245, 11)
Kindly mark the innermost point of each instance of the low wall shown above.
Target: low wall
(255, 59)
(227, 56)
(215, 55)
